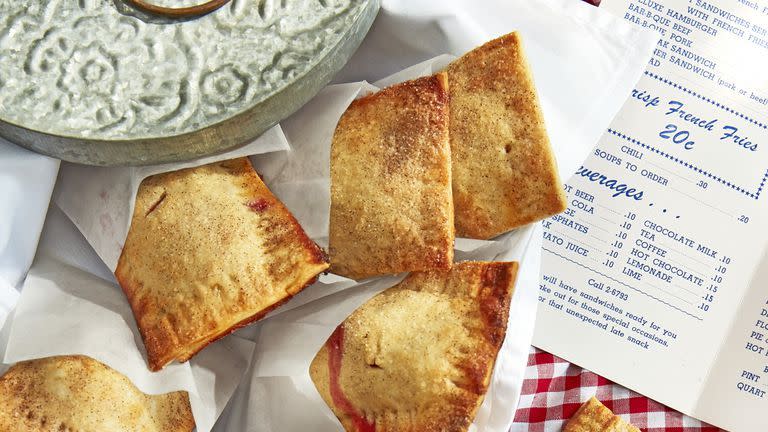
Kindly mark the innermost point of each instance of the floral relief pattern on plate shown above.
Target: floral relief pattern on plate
(101, 70)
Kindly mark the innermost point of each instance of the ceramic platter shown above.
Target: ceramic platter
(102, 82)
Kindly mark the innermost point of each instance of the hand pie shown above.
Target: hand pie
(391, 207)
(504, 172)
(418, 356)
(210, 249)
(595, 417)
(77, 393)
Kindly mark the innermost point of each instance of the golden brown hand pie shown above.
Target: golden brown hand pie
(77, 393)
(595, 417)
(210, 249)
(418, 356)
(391, 207)
(504, 172)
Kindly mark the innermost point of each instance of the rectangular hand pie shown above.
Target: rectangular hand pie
(504, 172)
(78, 393)
(419, 355)
(391, 206)
(210, 249)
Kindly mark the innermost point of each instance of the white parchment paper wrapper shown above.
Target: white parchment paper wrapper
(26, 183)
(68, 310)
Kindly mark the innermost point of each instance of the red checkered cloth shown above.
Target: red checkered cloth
(554, 389)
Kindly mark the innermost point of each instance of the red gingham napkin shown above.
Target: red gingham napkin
(554, 389)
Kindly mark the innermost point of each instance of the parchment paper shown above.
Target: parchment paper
(26, 183)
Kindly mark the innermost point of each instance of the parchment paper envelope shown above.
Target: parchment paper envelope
(26, 184)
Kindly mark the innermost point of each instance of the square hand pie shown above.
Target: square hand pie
(210, 249)
(418, 356)
(391, 207)
(77, 393)
(595, 417)
(504, 172)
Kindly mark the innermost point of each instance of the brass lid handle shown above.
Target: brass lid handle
(181, 12)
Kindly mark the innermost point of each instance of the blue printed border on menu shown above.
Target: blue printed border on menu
(705, 99)
(732, 185)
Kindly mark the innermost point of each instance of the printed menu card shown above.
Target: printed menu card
(656, 275)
